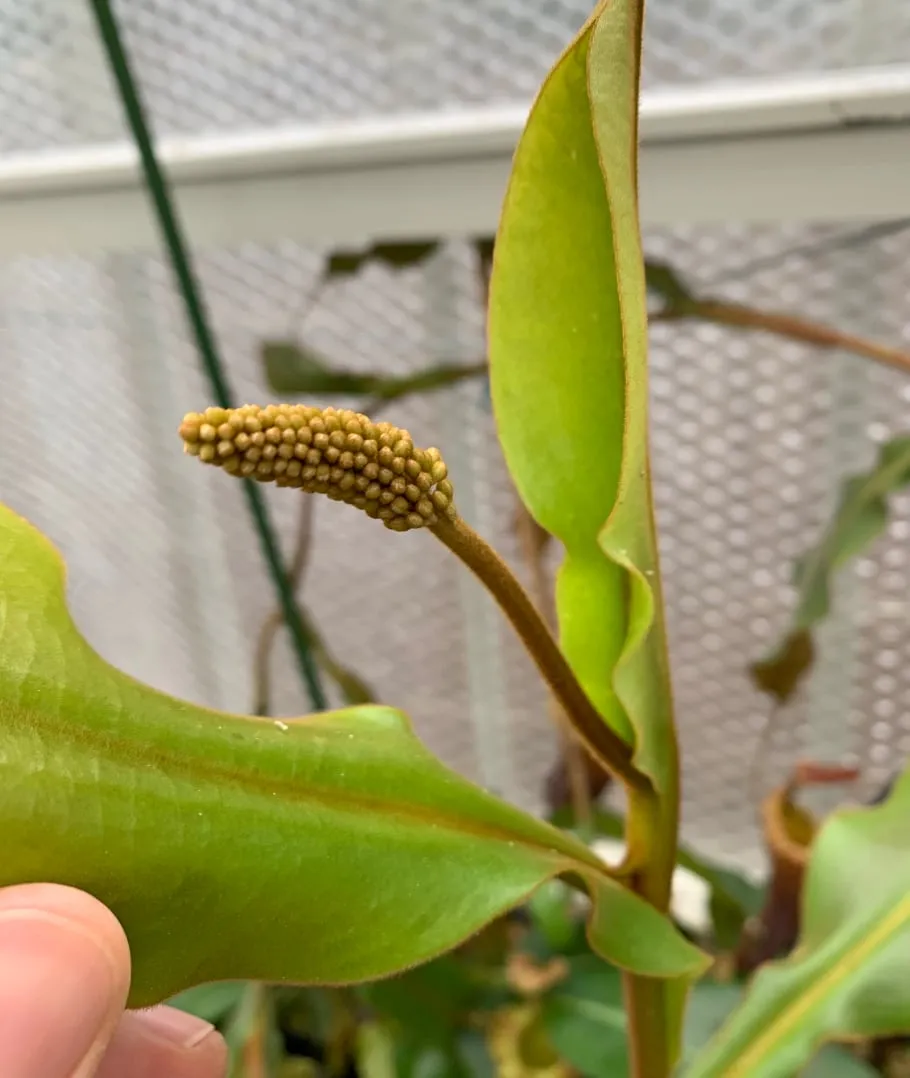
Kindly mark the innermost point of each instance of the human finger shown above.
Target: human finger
(64, 977)
(164, 1043)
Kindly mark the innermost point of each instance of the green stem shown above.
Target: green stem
(486, 564)
(653, 1006)
(205, 341)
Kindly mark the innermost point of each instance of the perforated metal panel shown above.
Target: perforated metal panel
(751, 435)
(220, 65)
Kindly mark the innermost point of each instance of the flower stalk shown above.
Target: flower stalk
(376, 467)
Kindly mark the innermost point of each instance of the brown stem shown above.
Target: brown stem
(493, 572)
(735, 314)
(253, 1052)
(274, 621)
(307, 305)
(532, 539)
(353, 689)
(788, 832)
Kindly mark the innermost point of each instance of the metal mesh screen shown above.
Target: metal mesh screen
(751, 436)
(220, 65)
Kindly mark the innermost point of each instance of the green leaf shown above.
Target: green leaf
(290, 368)
(428, 1061)
(847, 977)
(641, 678)
(213, 1002)
(335, 849)
(711, 1003)
(735, 888)
(860, 517)
(428, 1013)
(438, 376)
(780, 673)
(663, 280)
(568, 340)
(353, 688)
(465, 1056)
(556, 362)
(585, 1020)
(553, 917)
(375, 1051)
(253, 1016)
(586, 1023)
(604, 822)
(313, 1014)
(734, 897)
(298, 1067)
(833, 1062)
(475, 1055)
(393, 255)
(427, 1003)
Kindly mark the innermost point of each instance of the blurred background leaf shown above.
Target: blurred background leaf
(398, 255)
(213, 1002)
(292, 369)
(847, 977)
(860, 517)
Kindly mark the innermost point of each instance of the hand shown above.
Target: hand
(64, 976)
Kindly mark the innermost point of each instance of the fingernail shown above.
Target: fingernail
(176, 1026)
(54, 976)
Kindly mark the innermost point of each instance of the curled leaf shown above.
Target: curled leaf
(733, 897)
(568, 342)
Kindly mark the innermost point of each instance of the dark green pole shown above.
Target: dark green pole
(205, 341)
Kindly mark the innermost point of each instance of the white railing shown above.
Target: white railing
(826, 147)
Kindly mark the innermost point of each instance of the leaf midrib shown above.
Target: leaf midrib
(129, 753)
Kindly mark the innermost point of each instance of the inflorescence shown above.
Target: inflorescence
(373, 466)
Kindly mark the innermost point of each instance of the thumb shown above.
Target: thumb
(64, 977)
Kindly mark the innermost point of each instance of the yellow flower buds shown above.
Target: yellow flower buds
(373, 466)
